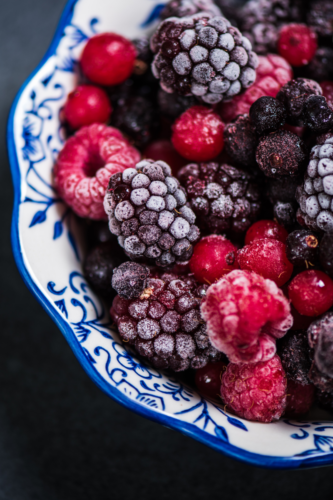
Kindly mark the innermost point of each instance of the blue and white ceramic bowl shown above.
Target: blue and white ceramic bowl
(48, 251)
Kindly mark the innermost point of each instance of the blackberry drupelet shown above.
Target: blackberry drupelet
(148, 212)
(302, 247)
(137, 118)
(223, 197)
(318, 116)
(294, 96)
(184, 8)
(174, 105)
(164, 324)
(326, 253)
(281, 153)
(320, 338)
(315, 195)
(130, 279)
(293, 350)
(267, 115)
(204, 56)
(240, 141)
(320, 17)
(99, 265)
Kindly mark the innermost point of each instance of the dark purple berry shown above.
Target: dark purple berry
(294, 353)
(294, 95)
(130, 279)
(317, 116)
(326, 253)
(267, 115)
(302, 247)
(240, 141)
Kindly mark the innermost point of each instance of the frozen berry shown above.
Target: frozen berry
(325, 399)
(208, 379)
(318, 116)
(163, 150)
(294, 95)
(267, 114)
(321, 343)
(183, 8)
(293, 350)
(245, 314)
(272, 73)
(326, 253)
(256, 391)
(85, 164)
(297, 44)
(130, 279)
(320, 17)
(300, 398)
(86, 105)
(320, 67)
(213, 257)
(281, 153)
(265, 229)
(99, 265)
(198, 134)
(241, 141)
(311, 292)
(302, 247)
(108, 59)
(327, 88)
(268, 258)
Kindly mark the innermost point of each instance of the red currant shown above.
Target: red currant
(86, 105)
(297, 44)
(108, 59)
(266, 229)
(311, 292)
(268, 259)
(213, 257)
(198, 134)
(208, 379)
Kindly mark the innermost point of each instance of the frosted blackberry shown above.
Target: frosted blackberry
(281, 153)
(320, 338)
(204, 56)
(130, 279)
(315, 195)
(223, 197)
(240, 141)
(293, 350)
(320, 17)
(174, 105)
(294, 96)
(326, 253)
(302, 247)
(267, 115)
(318, 116)
(137, 118)
(164, 324)
(183, 8)
(148, 212)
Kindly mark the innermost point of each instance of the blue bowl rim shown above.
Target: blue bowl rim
(170, 422)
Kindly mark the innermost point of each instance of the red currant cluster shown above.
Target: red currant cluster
(204, 175)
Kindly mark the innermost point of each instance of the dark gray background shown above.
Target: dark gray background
(61, 437)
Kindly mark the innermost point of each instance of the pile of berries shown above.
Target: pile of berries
(204, 174)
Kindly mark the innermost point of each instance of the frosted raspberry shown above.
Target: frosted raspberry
(245, 313)
(272, 73)
(85, 165)
(256, 391)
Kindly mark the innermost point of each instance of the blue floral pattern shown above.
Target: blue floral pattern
(47, 247)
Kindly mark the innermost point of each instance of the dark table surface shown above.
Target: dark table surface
(60, 436)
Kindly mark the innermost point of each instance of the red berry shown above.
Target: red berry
(213, 257)
(108, 59)
(297, 44)
(300, 398)
(245, 314)
(327, 88)
(255, 391)
(164, 150)
(266, 229)
(268, 259)
(87, 104)
(208, 379)
(311, 293)
(198, 134)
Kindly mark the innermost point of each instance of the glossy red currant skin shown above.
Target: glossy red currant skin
(86, 105)
(311, 293)
(108, 59)
(163, 150)
(208, 379)
(197, 134)
(266, 229)
(297, 44)
(213, 257)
